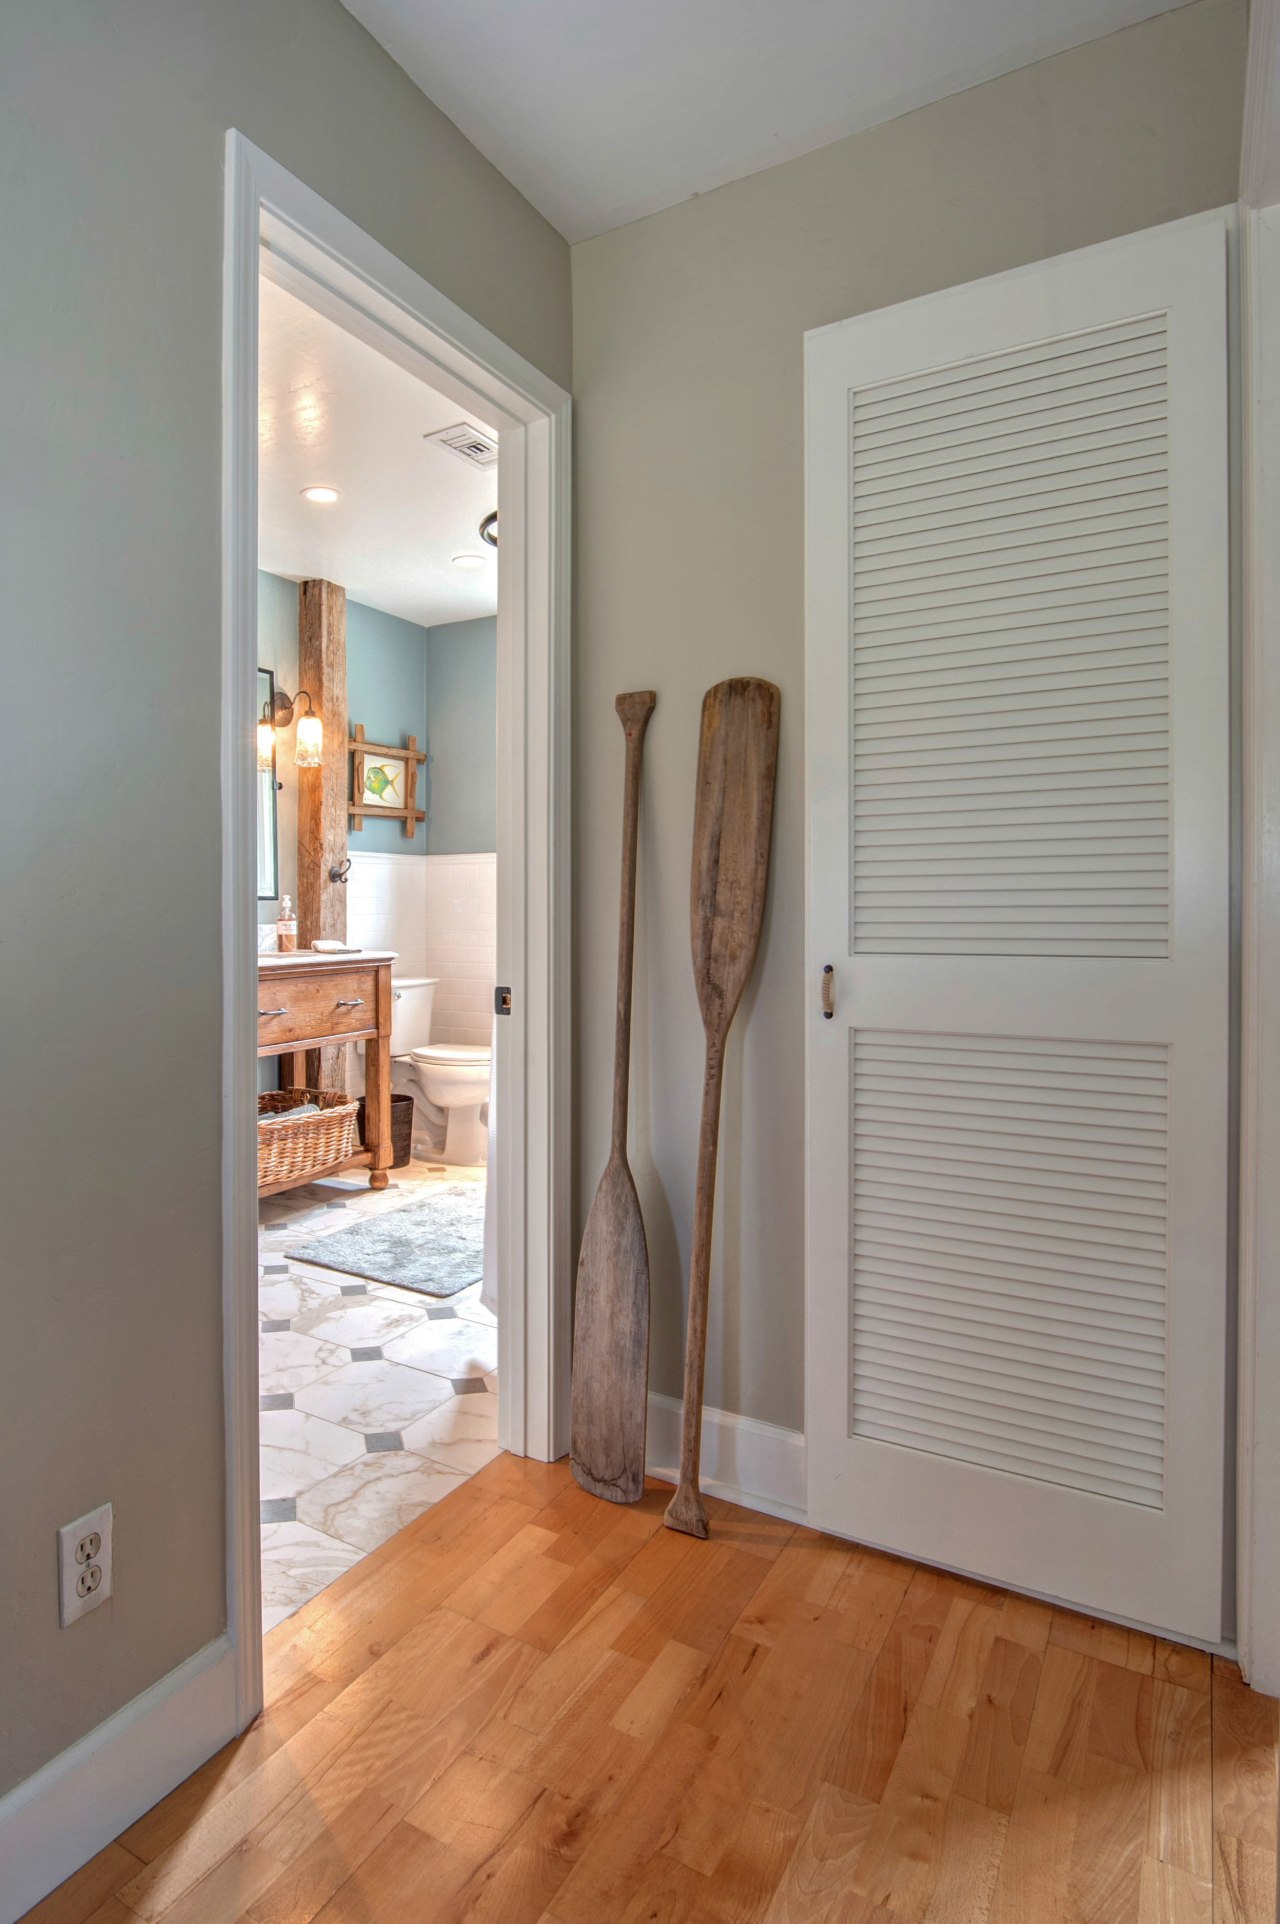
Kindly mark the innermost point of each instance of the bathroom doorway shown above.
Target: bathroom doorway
(377, 625)
(407, 1285)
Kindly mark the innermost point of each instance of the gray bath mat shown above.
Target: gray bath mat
(435, 1245)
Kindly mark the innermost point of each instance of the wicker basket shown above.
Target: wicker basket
(290, 1152)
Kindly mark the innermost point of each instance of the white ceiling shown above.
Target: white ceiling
(332, 411)
(600, 111)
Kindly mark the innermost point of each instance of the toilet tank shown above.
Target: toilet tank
(411, 1000)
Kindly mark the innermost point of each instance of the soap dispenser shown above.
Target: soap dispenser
(286, 927)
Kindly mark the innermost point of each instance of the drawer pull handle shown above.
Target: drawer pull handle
(273, 1012)
(351, 1002)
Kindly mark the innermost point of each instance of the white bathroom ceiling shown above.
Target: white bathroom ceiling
(333, 412)
(603, 110)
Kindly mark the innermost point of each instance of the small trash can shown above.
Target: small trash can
(401, 1129)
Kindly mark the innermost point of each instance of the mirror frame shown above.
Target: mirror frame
(268, 813)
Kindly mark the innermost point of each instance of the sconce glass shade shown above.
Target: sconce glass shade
(266, 746)
(310, 742)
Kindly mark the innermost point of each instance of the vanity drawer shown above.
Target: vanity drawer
(304, 1007)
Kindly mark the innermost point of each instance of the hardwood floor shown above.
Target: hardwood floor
(532, 1707)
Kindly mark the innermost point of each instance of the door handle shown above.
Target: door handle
(351, 1002)
(828, 992)
(273, 1012)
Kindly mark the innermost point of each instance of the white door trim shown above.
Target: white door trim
(1258, 1430)
(1259, 1288)
(274, 220)
(1260, 136)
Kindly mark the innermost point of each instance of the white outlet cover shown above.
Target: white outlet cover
(72, 1560)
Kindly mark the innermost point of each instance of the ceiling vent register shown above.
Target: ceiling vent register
(469, 443)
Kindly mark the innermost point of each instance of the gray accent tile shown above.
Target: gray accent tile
(443, 1316)
(276, 1400)
(335, 1205)
(379, 1440)
(367, 1353)
(275, 1269)
(280, 1509)
(467, 1385)
(354, 1289)
(274, 1328)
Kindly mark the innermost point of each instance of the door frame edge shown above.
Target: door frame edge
(381, 296)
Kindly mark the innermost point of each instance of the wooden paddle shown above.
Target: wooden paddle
(733, 815)
(611, 1315)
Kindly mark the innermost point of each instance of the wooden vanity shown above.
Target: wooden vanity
(308, 1002)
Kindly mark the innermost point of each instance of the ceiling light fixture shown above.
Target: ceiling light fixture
(322, 495)
(468, 561)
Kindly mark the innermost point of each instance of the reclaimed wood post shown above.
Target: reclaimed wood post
(322, 792)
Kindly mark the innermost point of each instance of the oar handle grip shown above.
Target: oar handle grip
(634, 711)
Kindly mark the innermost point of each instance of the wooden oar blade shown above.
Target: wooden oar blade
(611, 1343)
(733, 821)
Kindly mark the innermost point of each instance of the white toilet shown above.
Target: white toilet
(451, 1079)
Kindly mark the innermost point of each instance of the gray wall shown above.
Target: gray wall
(462, 736)
(112, 123)
(688, 331)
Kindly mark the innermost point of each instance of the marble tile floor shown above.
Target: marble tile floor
(375, 1401)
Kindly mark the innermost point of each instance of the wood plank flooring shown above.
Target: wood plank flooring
(532, 1707)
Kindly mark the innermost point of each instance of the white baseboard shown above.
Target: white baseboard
(73, 1807)
(755, 1464)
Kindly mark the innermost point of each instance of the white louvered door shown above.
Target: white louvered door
(1019, 836)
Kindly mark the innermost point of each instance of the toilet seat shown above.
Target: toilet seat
(453, 1054)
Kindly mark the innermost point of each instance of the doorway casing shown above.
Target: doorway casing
(275, 225)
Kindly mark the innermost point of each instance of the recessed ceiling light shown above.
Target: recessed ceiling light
(468, 561)
(325, 495)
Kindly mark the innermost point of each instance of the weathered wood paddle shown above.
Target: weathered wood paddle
(733, 817)
(611, 1316)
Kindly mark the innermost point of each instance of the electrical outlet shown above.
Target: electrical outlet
(84, 1563)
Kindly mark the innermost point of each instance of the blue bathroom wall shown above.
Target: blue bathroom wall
(278, 627)
(387, 694)
(440, 684)
(462, 730)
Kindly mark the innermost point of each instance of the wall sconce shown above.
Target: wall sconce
(308, 750)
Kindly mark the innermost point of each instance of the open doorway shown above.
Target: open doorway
(279, 231)
(378, 586)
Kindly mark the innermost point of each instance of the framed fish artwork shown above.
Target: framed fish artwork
(384, 780)
(383, 783)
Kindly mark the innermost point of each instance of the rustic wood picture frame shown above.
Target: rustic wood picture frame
(411, 755)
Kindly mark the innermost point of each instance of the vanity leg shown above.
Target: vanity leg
(293, 1070)
(377, 1109)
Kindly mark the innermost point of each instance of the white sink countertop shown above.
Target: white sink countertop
(315, 958)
